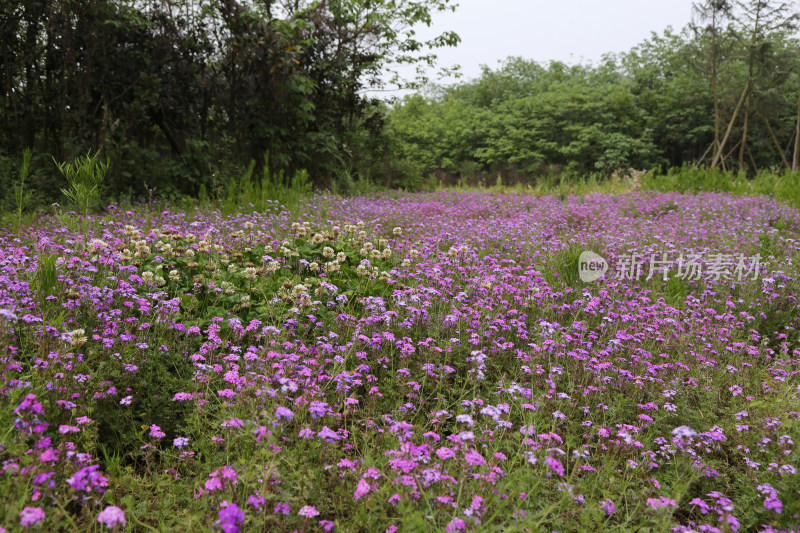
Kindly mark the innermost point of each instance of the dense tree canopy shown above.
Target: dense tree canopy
(173, 90)
(723, 92)
(181, 95)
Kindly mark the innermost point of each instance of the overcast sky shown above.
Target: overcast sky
(574, 31)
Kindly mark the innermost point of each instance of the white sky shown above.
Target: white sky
(573, 31)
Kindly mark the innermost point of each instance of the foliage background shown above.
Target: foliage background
(181, 96)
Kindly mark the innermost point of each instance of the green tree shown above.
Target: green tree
(173, 91)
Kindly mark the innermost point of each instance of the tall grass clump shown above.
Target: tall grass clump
(22, 197)
(784, 187)
(84, 177)
(272, 190)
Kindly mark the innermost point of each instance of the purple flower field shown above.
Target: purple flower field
(405, 362)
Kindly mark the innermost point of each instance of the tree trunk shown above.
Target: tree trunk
(796, 156)
(752, 160)
(777, 144)
(176, 143)
(744, 130)
(718, 155)
(751, 55)
(714, 86)
(702, 157)
(31, 73)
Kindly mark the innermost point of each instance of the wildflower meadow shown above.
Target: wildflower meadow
(404, 362)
